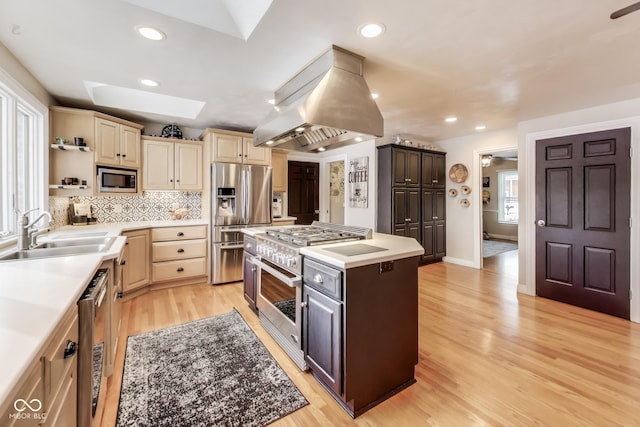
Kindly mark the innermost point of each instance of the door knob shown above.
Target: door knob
(540, 223)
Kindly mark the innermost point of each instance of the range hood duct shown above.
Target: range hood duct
(328, 104)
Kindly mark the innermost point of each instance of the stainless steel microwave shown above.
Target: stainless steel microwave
(114, 180)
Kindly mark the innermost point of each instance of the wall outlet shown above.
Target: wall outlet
(175, 206)
(117, 209)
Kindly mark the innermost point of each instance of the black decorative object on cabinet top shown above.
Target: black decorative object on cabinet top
(171, 131)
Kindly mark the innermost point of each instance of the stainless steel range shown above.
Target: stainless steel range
(279, 287)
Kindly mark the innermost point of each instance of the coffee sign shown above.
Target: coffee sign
(359, 182)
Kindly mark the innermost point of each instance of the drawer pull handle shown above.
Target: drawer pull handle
(303, 304)
(70, 349)
(123, 262)
(180, 269)
(180, 234)
(317, 278)
(180, 250)
(120, 294)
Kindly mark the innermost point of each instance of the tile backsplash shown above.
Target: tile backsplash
(151, 206)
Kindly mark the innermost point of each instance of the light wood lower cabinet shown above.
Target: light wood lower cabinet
(48, 394)
(178, 253)
(136, 271)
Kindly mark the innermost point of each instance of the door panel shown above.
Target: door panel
(582, 210)
(599, 201)
(559, 192)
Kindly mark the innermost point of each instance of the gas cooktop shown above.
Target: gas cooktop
(317, 233)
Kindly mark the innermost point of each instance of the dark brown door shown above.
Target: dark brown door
(304, 191)
(582, 215)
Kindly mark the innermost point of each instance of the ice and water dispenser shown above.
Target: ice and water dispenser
(226, 201)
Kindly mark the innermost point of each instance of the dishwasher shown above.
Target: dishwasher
(93, 309)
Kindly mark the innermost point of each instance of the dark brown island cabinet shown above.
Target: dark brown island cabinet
(360, 329)
(411, 197)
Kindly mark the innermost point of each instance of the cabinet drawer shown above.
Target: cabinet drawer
(32, 389)
(175, 270)
(56, 367)
(167, 251)
(178, 233)
(323, 278)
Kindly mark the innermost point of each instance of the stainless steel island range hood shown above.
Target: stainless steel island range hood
(326, 105)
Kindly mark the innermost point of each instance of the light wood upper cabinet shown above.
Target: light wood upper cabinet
(279, 172)
(226, 148)
(188, 167)
(235, 147)
(117, 144)
(172, 165)
(255, 155)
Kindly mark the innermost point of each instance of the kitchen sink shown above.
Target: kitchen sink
(63, 248)
(80, 235)
(89, 241)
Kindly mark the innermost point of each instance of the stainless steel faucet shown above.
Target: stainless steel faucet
(26, 236)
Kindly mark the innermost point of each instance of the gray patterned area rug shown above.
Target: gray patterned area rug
(209, 372)
(495, 247)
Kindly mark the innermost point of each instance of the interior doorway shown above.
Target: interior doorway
(304, 191)
(499, 209)
(336, 192)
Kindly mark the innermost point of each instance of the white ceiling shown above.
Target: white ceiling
(491, 62)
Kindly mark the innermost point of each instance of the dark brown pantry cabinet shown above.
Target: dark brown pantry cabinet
(411, 196)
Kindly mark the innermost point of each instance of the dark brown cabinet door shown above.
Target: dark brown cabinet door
(322, 337)
(406, 213)
(433, 228)
(433, 173)
(413, 169)
(406, 168)
(582, 211)
(304, 191)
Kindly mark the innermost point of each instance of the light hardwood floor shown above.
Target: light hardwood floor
(488, 356)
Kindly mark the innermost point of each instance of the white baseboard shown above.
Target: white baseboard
(459, 261)
(503, 237)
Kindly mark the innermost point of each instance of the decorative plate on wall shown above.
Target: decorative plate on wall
(465, 189)
(464, 203)
(458, 173)
(452, 192)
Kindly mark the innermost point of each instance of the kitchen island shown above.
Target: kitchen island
(353, 315)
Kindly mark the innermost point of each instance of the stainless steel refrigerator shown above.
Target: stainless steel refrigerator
(241, 197)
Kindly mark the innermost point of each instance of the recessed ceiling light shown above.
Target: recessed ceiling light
(375, 95)
(481, 127)
(451, 119)
(269, 142)
(300, 129)
(358, 139)
(321, 149)
(150, 33)
(371, 30)
(149, 82)
(271, 101)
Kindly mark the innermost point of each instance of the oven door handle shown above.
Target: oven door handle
(225, 247)
(290, 281)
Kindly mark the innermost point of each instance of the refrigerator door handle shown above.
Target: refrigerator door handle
(247, 193)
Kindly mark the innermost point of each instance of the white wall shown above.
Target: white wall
(610, 116)
(21, 75)
(464, 228)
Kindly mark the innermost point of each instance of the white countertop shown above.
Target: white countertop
(395, 247)
(35, 294)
